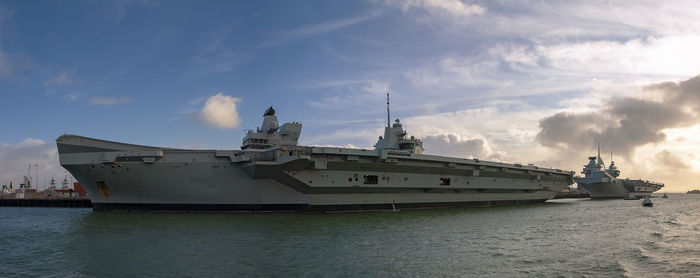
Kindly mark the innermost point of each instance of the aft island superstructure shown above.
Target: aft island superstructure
(271, 172)
(605, 183)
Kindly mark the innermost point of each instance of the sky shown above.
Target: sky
(538, 82)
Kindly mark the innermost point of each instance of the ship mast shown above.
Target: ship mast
(600, 159)
(388, 114)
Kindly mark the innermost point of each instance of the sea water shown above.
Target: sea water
(569, 238)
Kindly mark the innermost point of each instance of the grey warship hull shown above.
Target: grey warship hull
(120, 176)
(604, 183)
(620, 188)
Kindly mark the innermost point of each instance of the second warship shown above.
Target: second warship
(271, 172)
(605, 183)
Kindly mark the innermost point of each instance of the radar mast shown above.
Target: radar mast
(388, 114)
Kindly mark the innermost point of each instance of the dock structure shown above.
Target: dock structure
(51, 203)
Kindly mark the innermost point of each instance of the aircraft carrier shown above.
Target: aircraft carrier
(605, 183)
(271, 172)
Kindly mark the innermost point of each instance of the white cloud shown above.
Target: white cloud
(6, 67)
(5, 13)
(661, 56)
(63, 78)
(30, 142)
(72, 96)
(346, 94)
(454, 71)
(190, 109)
(364, 138)
(221, 111)
(458, 146)
(555, 19)
(316, 29)
(509, 69)
(12, 65)
(220, 52)
(449, 7)
(15, 159)
(121, 8)
(108, 100)
(221, 60)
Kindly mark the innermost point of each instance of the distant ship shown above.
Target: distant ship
(604, 183)
(694, 191)
(272, 172)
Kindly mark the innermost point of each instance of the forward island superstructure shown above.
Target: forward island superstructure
(605, 183)
(271, 172)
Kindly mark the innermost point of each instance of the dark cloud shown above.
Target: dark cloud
(625, 123)
(669, 161)
(451, 145)
(683, 93)
(557, 132)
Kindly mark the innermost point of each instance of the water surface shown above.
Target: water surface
(571, 237)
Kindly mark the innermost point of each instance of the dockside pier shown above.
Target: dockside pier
(50, 203)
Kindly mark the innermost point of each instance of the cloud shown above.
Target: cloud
(190, 109)
(458, 146)
(345, 94)
(624, 124)
(541, 67)
(5, 13)
(13, 64)
(316, 29)
(221, 51)
(448, 7)
(364, 138)
(63, 78)
(121, 8)
(108, 100)
(220, 111)
(221, 60)
(6, 68)
(557, 47)
(653, 55)
(72, 96)
(669, 161)
(30, 142)
(14, 160)
(554, 19)
(686, 92)
(456, 71)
